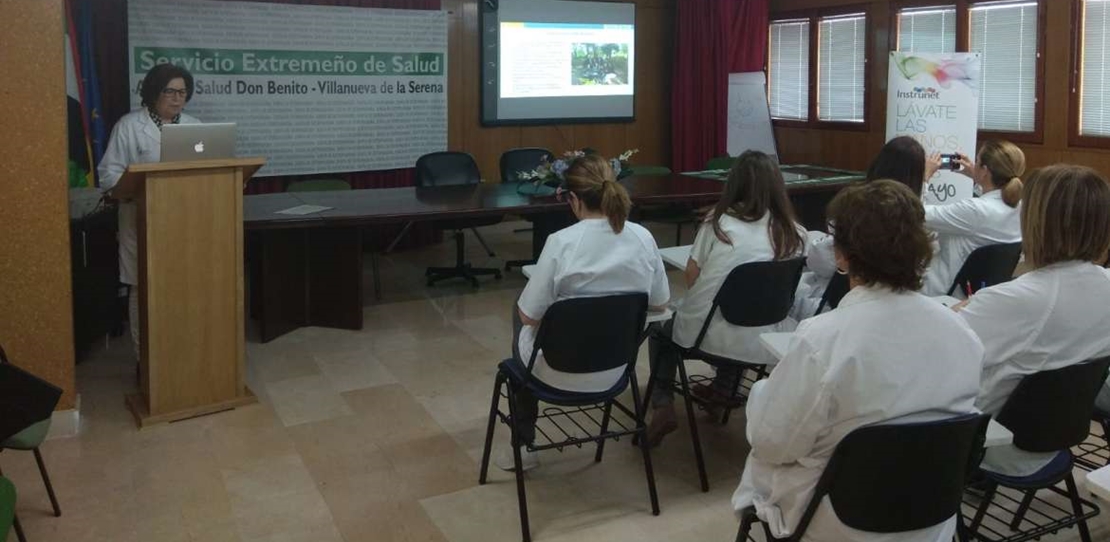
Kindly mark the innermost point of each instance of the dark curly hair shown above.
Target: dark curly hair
(158, 78)
(880, 230)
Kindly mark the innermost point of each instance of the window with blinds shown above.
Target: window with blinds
(927, 30)
(1006, 35)
(840, 68)
(788, 69)
(1094, 117)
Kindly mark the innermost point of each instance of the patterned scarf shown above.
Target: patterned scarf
(158, 120)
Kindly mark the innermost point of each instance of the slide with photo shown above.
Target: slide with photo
(566, 59)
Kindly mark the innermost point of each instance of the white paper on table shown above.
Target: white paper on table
(303, 210)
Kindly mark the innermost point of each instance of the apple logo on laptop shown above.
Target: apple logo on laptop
(199, 147)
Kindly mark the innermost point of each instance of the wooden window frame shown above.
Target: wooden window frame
(963, 45)
(1075, 87)
(814, 16)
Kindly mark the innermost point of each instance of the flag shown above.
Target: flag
(90, 89)
(80, 149)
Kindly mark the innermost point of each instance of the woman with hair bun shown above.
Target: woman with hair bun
(602, 254)
(990, 219)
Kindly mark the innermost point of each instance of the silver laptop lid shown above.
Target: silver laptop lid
(182, 142)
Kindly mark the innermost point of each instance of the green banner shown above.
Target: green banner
(203, 61)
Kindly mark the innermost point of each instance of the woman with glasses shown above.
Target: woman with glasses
(902, 159)
(137, 139)
(875, 359)
(602, 254)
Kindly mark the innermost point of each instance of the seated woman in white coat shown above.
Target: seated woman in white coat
(990, 219)
(902, 159)
(1055, 315)
(752, 222)
(875, 359)
(602, 254)
(137, 139)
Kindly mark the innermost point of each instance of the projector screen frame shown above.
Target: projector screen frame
(489, 58)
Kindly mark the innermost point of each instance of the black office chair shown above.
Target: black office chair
(753, 295)
(987, 266)
(442, 169)
(1048, 412)
(894, 478)
(580, 335)
(835, 291)
(513, 162)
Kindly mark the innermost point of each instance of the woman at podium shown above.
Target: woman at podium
(136, 139)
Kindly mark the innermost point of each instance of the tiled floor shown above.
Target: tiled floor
(367, 436)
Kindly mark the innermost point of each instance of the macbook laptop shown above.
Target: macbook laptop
(184, 142)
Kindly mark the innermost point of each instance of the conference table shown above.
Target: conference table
(306, 270)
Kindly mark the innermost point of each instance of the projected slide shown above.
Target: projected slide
(566, 59)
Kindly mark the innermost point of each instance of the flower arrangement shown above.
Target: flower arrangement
(551, 172)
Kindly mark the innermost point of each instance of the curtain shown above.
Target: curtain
(712, 39)
(110, 49)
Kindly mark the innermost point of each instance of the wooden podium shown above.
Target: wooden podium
(190, 228)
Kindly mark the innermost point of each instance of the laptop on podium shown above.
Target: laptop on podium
(185, 142)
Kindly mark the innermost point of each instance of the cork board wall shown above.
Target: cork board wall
(36, 327)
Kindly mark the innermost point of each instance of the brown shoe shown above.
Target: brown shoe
(663, 421)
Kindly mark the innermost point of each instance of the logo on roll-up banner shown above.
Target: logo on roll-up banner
(934, 98)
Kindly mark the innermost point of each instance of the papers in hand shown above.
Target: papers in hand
(303, 210)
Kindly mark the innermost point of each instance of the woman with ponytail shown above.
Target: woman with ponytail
(752, 222)
(602, 254)
(990, 219)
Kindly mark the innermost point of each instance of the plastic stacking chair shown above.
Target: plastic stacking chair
(677, 214)
(580, 335)
(753, 295)
(1048, 412)
(7, 510)
(318, 185)
(30, 439)
(987, 266)
(513, 162)
(649, 171)
(444, 169)
(721, 162)
(835, 291)
(894, 478)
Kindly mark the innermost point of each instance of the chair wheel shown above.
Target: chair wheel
(497, 275)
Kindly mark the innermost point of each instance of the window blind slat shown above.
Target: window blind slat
(788, 70)
(1006, 36)
(1094, 119)
(930, 30)
(841, 68)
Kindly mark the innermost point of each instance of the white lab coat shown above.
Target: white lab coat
(820, 267)
(880, 357)
(961, 228)
(751, 242)
(135, 140)
(584, 260)
(1046, 319)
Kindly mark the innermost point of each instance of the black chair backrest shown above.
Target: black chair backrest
(588, 334)
(514, 161)
(447, 169)
(1051, 411)
(987, 266)
(756, 294)
(900, 477)
(835, 291)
